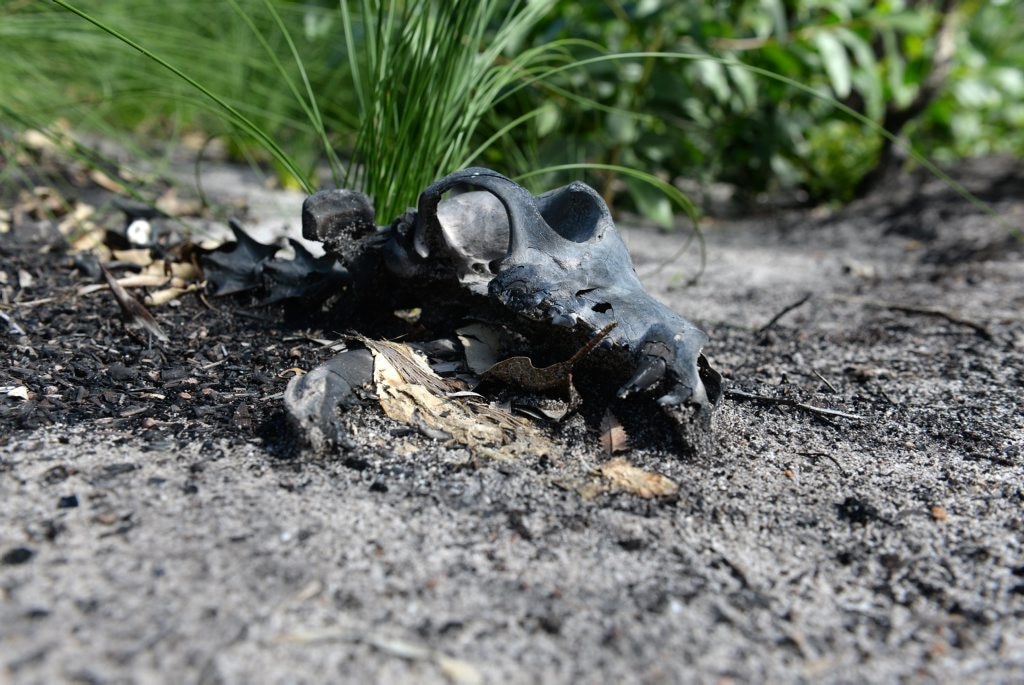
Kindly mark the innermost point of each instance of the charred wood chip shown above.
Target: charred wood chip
(67, 502)
(88, 264)
(16, 555)
(176, 373)
(120, 372)
(857, 511)
(111, 470)
(337, 218)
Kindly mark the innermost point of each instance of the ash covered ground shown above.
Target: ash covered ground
(158, 521)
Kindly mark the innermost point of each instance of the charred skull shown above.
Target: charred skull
(553, 268)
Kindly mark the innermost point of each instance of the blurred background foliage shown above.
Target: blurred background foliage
(944, 75)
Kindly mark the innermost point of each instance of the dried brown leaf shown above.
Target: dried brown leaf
(144, 280)
(91, 238)
(186, 271)
(481, 345)
(613, 436)
(139, 256)
(170, 204)
(161, 297)
(521, 373)
(78, 220)
(107, 183)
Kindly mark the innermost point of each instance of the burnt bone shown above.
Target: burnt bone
(551, 267)
(563, 265)
(311, 399)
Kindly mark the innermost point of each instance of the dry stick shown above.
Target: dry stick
(12, 325)
(980, 329)
(832, 459)
(785, 401)
(825, 381)
(786, 310)
(133, 310)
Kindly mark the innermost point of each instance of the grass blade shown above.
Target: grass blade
(234, 115)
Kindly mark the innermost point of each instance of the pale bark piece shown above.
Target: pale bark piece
(409, 391)
(624, 477)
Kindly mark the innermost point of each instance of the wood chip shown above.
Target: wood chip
(625, 477)
(133, 309)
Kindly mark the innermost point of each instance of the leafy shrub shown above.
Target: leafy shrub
(712, 121)
(744, 92)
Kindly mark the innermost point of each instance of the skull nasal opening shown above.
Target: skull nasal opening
(575, 212)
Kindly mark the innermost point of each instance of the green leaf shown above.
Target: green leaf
(777, 11)
(622, 130)
(548, 118)
(901, 93)
(746, 86)
(712, 74)
(907, 21)
(869, 82)
(650, 202)
(835, 61)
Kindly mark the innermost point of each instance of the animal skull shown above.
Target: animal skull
(552, 267)
(556, 259)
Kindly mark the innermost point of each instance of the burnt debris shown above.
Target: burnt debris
(247, 265)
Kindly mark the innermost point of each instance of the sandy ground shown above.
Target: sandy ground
(807, 548)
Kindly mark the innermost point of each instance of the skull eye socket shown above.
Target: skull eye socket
(602, 307)
(574, 212)
(474, 226)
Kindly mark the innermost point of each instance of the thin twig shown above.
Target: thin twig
(785, 310)
(134, 311)
(785, 401)
(35, 303)
(979, 328)
(825, 381)
(12, 325)
(832, 459)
